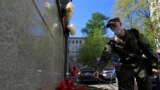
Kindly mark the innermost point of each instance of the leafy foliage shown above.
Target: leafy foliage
(137, 14)
(95, 41)
(96, 22)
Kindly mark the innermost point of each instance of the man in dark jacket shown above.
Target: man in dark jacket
(130, 51)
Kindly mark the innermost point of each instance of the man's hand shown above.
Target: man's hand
(118, 40)
(156, 72)
(96, 74)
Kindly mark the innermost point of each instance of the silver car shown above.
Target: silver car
(109, 74)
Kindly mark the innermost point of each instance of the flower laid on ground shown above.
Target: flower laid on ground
(72, 29)
(68, 85)
(69, 10)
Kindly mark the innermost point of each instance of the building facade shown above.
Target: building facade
(74, 44)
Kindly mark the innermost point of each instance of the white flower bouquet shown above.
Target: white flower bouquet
(47, 5)
(69, 10)
(72, 29)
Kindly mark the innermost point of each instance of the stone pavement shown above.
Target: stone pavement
(112, 86)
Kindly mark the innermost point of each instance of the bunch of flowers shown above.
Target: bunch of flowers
(47, 5)
(72, 29)
(68, 85)
(69, 10)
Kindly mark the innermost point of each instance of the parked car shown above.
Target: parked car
(86, 76)
(109, 74)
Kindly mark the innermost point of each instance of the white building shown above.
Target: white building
(74, 44)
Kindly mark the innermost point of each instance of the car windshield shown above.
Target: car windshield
(108, 70)
(87, 70)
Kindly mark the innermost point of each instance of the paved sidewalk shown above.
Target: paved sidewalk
(106, 86)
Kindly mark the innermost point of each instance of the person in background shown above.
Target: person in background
(73, 74)
(74, 71)
(96, 73)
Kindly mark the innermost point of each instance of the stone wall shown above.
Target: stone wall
(32, 50)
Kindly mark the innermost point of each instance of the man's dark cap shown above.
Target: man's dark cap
(113, 21)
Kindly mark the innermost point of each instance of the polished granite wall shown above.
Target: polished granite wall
(31, 45)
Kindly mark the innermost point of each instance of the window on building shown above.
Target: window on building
(76, 41)
(80, 41)
(73, 42)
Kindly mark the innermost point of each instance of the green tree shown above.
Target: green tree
(95, 41)
(137, 14)
(97, 22)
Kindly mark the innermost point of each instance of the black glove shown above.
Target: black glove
(112, 43)
(154, 65)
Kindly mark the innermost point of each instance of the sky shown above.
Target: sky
(83, 10)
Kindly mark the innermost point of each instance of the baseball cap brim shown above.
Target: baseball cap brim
(113, 21)
(110, 23)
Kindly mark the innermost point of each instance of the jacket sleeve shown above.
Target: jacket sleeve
(114, 58)
(105, 57)
(146, 49)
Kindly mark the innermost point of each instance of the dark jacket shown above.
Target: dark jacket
(131, 50)
(134, 43)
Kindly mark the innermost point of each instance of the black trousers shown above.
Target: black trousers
(119, 80)
(130, 71)
(158, 83)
